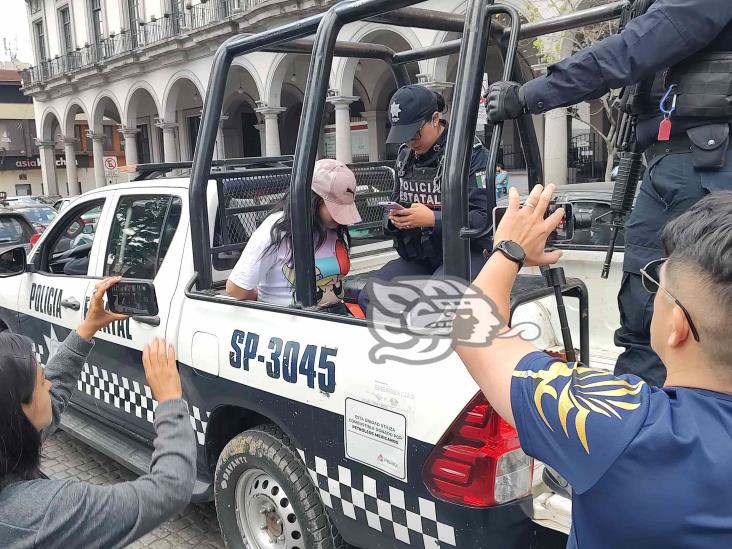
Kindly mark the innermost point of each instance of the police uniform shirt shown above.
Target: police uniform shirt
(668, 33)
(431, 195)
(649, 467)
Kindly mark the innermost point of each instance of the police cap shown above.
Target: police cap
(409, 108)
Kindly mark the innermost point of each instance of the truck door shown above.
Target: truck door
(144, 240)
(51, 299)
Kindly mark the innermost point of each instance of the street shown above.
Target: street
(66, 458)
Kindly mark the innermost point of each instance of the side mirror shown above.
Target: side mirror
(12, 262)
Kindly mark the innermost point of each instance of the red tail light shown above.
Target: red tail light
(34, 238)
(479, 461)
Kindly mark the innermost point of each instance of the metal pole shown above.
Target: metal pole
(311, 123)
(201, 239)
(456, 250)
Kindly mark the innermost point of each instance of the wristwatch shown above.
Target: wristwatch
(512, 251)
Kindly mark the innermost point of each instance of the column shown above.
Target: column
(342, 104)
(377, 133)
(170, 147)
(47, 151)
(130, 136)
(555, 147)
(97, 140)
(72, 176)
(220, 152)
(271, 129)
(443, 88)
(262, 139)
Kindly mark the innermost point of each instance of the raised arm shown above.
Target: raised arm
(668, 33)
(63, 368)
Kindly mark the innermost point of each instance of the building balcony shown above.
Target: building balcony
(228, 16)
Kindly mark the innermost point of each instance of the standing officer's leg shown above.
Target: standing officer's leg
(395, 268)
(670, 186)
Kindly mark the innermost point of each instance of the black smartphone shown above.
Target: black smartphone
(133, 298)
(564, 231)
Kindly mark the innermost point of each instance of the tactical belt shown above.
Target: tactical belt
(708, 146)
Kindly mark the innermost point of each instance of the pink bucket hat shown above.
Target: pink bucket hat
(336, 185)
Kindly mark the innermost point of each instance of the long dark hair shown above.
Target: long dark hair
(20, 442)
(282, 229)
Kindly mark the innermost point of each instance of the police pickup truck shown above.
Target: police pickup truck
(304, 441)
(297, 430)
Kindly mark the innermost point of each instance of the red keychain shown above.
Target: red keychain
(664, 129)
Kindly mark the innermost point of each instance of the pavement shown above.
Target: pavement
(64, 457)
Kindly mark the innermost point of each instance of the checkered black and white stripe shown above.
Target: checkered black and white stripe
(126, 395)
(383, 507)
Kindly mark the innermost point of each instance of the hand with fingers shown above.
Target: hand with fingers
(161, 371)
(417, 216)
(526, 226)
(97, 317)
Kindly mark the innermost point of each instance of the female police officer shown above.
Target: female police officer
(414, 112)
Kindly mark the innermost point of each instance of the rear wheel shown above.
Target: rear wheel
(265, 498)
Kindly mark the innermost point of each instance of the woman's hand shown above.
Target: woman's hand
(97, 317)
(526, 226)
(161, 371)
(418, 216)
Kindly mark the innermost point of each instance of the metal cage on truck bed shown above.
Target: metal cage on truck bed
(248, 188)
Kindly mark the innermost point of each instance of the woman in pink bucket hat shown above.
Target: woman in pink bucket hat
(265, 270)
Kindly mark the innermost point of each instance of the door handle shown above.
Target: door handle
(149, 320)
(71, 303)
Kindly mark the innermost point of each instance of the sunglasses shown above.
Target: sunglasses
(651, 276)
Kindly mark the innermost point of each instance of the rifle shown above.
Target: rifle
(631, 158)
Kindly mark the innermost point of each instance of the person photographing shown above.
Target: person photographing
(38, 512)
(416, 226)
(664, 451)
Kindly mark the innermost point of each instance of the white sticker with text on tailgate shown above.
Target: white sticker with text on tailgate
(376, 437)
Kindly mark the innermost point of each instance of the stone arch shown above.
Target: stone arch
(239, 122)
(50, 120)
(289, 69)
(73, 109)
(245, 64)
(173, 90)
(399, 39)
(135, 96)
(105, 104)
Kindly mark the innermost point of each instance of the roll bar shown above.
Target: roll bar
(477, 27)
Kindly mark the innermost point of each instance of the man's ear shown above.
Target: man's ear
(680, 330)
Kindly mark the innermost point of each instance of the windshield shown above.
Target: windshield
(42, 216)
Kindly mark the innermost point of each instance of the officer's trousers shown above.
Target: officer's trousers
(670, 186)
(400, 267)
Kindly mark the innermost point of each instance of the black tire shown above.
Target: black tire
(266, 449)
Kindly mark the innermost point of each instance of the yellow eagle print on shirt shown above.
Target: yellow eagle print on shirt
(585, 390)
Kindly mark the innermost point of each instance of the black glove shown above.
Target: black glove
(504, 102)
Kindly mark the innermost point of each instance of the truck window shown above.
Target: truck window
(69, 252)
(11, 231)
(142, 230)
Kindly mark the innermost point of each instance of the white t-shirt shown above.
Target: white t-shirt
(275, 280)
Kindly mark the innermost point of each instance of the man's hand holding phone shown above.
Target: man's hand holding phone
(525, 225)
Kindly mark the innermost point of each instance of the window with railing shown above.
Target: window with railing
(95, 9)
(40, 37)
(64, 15)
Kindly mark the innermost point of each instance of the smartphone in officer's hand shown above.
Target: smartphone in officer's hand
(391, 206)
(564, 231)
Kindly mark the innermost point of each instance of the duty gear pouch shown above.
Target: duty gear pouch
(709, 146)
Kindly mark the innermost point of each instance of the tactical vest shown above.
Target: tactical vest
(418, 184)
(703, 82)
